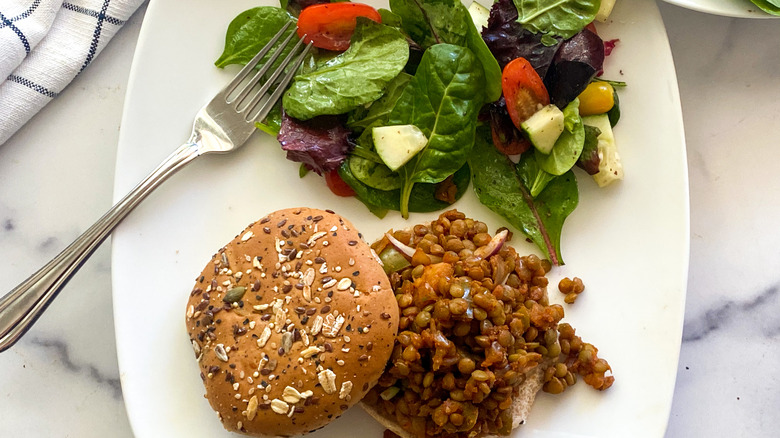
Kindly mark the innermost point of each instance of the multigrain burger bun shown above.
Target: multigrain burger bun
(292, 323)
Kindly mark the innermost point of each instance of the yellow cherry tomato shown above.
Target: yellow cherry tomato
(597, 98)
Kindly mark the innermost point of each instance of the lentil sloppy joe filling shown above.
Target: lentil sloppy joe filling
(477, 334)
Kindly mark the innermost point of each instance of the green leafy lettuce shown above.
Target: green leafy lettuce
(443, 100)
(562, 18)
(430, 22)
(250, 31)
(535, 178)
(379, 111)
(503, 187)
(374, 174)
(422, 198)
(377, 53)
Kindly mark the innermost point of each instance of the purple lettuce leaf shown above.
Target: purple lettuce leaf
(576, 63)
(320, 143)
(507, 39)
(296, 6)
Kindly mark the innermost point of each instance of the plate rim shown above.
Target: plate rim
(141, 47)
(732, 11)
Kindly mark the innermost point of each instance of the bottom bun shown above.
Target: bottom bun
(521, 405)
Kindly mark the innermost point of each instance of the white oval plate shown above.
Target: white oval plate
(628, 242)
(726, 8)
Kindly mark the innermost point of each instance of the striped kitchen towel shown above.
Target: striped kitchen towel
(44, 44)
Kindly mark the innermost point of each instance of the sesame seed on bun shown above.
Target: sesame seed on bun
(292, 322)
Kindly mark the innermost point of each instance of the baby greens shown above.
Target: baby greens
(376, 114)
(443, 100)
(562, 18)
(504, 188)
(250, 32)
(377, 53)
(422, 197)
(430, 22)
(427, 65)
(374, 173)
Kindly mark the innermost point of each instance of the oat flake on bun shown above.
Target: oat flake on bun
(292, 322)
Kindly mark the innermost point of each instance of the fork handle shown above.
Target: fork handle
(21, 307)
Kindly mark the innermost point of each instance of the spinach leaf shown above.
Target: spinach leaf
(568, 147)
(430, 22)
(490, 66)
(377, 53)
(250, 31)
(422, 198)
(562, 18)
(502, 188)
(389, 18)
(534, 177)
(373, 174)
(377, 114)
(768, 6)
(365, 153)
(365, 141)
(443, 100)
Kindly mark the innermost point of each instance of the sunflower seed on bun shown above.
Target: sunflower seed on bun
(292, 323)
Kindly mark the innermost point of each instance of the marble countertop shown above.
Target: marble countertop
(56, 178)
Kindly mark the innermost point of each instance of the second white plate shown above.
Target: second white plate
(726, 8)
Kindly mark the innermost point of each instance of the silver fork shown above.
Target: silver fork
(223, 125)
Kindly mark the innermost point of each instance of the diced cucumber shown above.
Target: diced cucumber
(610, 166)
(604, 10)
(479, 15)
(396, 145)
(544, 127)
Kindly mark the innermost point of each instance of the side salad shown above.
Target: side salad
(405, 107)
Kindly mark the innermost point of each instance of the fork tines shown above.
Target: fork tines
(248, 106)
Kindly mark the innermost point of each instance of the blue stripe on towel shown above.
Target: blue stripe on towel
(92, 13)
(19, 33)
(96, 36)
(32, 85)
(24, 14)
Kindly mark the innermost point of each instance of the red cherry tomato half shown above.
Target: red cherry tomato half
(514, 145)
(337, 185)
(330, 25)
(523, 89)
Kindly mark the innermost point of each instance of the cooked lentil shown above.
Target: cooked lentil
(571, 288)
(470, 329)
